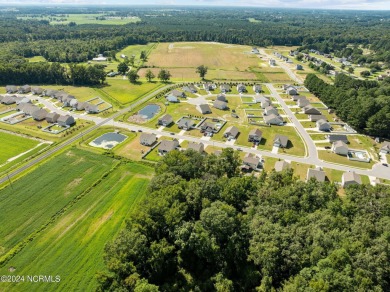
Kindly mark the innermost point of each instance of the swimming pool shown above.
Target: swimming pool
(108, 140)
(149, 111)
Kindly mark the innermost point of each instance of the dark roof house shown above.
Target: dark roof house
(52, 117)
(39, 114)
(231, 132)
(165, 120)
(167, 146)
(281, 141)
(147, 139)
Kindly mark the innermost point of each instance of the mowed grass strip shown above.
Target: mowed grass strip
(33, 199)
(73, 247)
(13, 145)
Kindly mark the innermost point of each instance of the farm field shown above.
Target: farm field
(73, 246)
(13, 145)
(82, 19)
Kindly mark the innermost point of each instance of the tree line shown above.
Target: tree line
(364, 105)
(205, 227)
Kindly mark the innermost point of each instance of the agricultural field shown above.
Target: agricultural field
(82, 19)
(72, 244)
(14, 145)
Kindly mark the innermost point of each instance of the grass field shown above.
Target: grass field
(82, 19)
(335, 158)
(13, 145)
(36, 59)
(136, 51)
(72, 247)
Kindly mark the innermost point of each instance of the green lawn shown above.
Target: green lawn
(36, 59)
(13, 145)
(136, 51)
(153, 156)
(73, 246)
(332, 157)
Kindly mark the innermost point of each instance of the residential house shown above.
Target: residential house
(1, 98)
(39, 114)
(241, 88)
(208, 127)
(7, 100)
(339, 147)
(73, 103)
(225, 88)
(255, 50)
(323, 125)
(255, 136)
(65, 121)
(209, 86)
(165, 120)
(24, 89)
(385, 149)
(11, 89)
(192, 88)
(291, 90)
(28, 109)
(92, 109)
(185, 124)
(231, 132)
(204, 109)
(295, 97)
(222, 105)
(273, 120)
(269, 110)
(251, 162)
(80, 106)
(49, 92)
(257, 88)
(272, 62)
(282, 165)
(198, 147)
(281, 141)
(100, 58)
(177, 93)
(310, 110)
(221, 97)
(350, 178)
(172, 98)
(317, 174)
(66, 100)
(264, 102)
(18, 99)
(167, 146)
(147, 139)
(59, 95)
(334, 138)
(52, 117)
(302, 102)
(37, 90)
(315, 118)
(299, 67)
(23, 100)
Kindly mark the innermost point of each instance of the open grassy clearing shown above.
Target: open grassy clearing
(136, 51)
(13, 145)
(73, 246)
(53, 184)
(82, 19)
(36, 59)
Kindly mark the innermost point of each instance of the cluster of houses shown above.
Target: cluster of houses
(283, 58)
(348, 178)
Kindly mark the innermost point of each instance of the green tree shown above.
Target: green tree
(132, 76)
(122, 68)
(351, 70)
(143, 56)
(365, 73)
(149, 75)
(164, 75)
(202, 70)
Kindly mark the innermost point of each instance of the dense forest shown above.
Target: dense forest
(327, 30)
(205, 227)
(364, 105)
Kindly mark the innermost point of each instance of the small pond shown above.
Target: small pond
(149, 111)
(108, 140)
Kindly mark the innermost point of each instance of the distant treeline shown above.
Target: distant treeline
(365, 105)
(55, 73)
(326, 30)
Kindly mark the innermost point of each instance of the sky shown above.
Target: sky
(318, 4)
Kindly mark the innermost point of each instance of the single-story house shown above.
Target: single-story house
(231, 132)
(272, 62)
(257, 88)
(23, 100)
(255, 50)
(92, 108)
(52, 117)
(323, 125)
(147, 139)
(334, 138)
(317, 174)
(251, 162)
(222, 105)
(39, 114)
(187, 89)
(299, 67)
(273, 120)
(192, 88)
(221, 97)
(37, 90)
(24, 89)
(281, 141)
(177, 93)
(281, 165)
(73, 103)
(21, 106)
(208, 127)
(1, 98)
(165, 120)
(296, 97)
(350, 178)
(8, 100)
(255, 135)
(315, 118)
(28, 109)
(339, 147)
(11, 89)
(241, 88)
(302, 102)
(172, 98)
(310, 110)
(60, 95)
(198, 147)
(18, 98)
(65, 121)
(291, 90)
(185, 124)
(264, 102)
(80, 106)
(167, 146)
(385, 149)
(49, 92)
(225, 88)
(209, 86)
(100, 58)
(66, 100)
(204, 109)
(269, 110)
